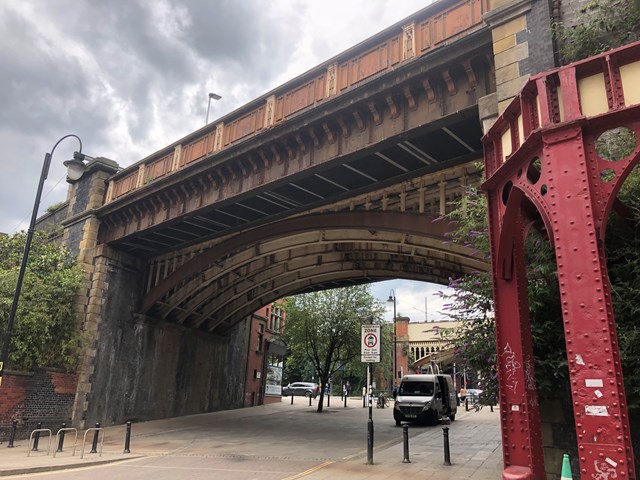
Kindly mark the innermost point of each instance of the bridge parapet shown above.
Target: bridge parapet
(429, 29)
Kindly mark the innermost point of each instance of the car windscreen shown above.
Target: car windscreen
(422, 389)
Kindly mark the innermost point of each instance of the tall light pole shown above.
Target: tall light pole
(212, 96)
(75, 169)
(392, 301)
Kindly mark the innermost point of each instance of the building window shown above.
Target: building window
(260, 337)
(276, 319)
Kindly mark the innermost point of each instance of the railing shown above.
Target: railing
(431, 28)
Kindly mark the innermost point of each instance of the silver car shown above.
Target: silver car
(302, 389)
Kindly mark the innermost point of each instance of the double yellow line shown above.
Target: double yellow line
(309, 471)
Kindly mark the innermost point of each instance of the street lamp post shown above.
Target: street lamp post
(392, 301)
(212, 96)
(75, 169)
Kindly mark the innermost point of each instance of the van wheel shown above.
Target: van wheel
(452, 418)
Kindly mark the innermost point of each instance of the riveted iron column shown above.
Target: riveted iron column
(541, 164)
(520, 417)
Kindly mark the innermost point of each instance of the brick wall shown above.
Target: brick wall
(29, 398)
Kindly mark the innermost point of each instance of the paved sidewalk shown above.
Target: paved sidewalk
(474, 443)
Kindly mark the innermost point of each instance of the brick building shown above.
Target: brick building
(420, 343)
(265, 356)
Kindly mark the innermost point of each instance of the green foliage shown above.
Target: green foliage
(323, 329)
(603, 25)
(46, 332)
(623, 263)
(472, 304)
(55, 206)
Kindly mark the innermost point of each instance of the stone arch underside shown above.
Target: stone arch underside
(230, 280)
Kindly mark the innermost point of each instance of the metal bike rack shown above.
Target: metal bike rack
(75, 439)
(31, 438)
(85, 439)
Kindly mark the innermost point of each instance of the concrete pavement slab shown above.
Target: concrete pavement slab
(291, 438)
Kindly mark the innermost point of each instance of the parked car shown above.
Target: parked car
(473, 393)
(303, 389)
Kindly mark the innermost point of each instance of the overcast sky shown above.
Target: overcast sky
(132, 76)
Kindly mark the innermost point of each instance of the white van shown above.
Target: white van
(425, 398)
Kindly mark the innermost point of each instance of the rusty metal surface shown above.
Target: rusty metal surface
(423, 33)
(541, 153)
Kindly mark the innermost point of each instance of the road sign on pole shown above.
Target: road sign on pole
(370, 345)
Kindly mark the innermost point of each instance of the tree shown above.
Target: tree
(46, 331)
(325, 325)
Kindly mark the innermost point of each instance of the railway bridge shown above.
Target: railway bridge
(340, 176)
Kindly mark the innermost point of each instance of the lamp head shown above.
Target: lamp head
(391, 300)
(214, 96)
(75, 166)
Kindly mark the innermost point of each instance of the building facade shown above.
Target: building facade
(265, 355)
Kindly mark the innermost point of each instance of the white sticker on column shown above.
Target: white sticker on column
(515, 408)
(613, 463)
(593, 382)
(596, 410)
(598, 393)
(579, 360)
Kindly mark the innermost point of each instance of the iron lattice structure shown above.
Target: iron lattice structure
(542, 165)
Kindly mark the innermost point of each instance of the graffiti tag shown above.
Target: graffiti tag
(511, 366)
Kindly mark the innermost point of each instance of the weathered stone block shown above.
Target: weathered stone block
(513, 55)
(509, 28)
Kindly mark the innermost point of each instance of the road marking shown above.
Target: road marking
(307, 472)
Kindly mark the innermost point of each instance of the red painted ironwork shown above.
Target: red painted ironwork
(540, 157)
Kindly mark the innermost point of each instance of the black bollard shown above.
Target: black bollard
(292, 399)
(345, 401)
(309, 400)
(466, 404)
(447, 454)
(364, 401)
(36, 437)
(370, 433)
(94, 445)
(492, 408)
(328, 399)
(127, 439)
(12, 435)
(61, 438)
(405, 441)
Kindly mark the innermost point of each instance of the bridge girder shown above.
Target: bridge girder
(227, 281)
(406, 123)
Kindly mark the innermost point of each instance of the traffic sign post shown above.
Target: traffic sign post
(370, 353)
